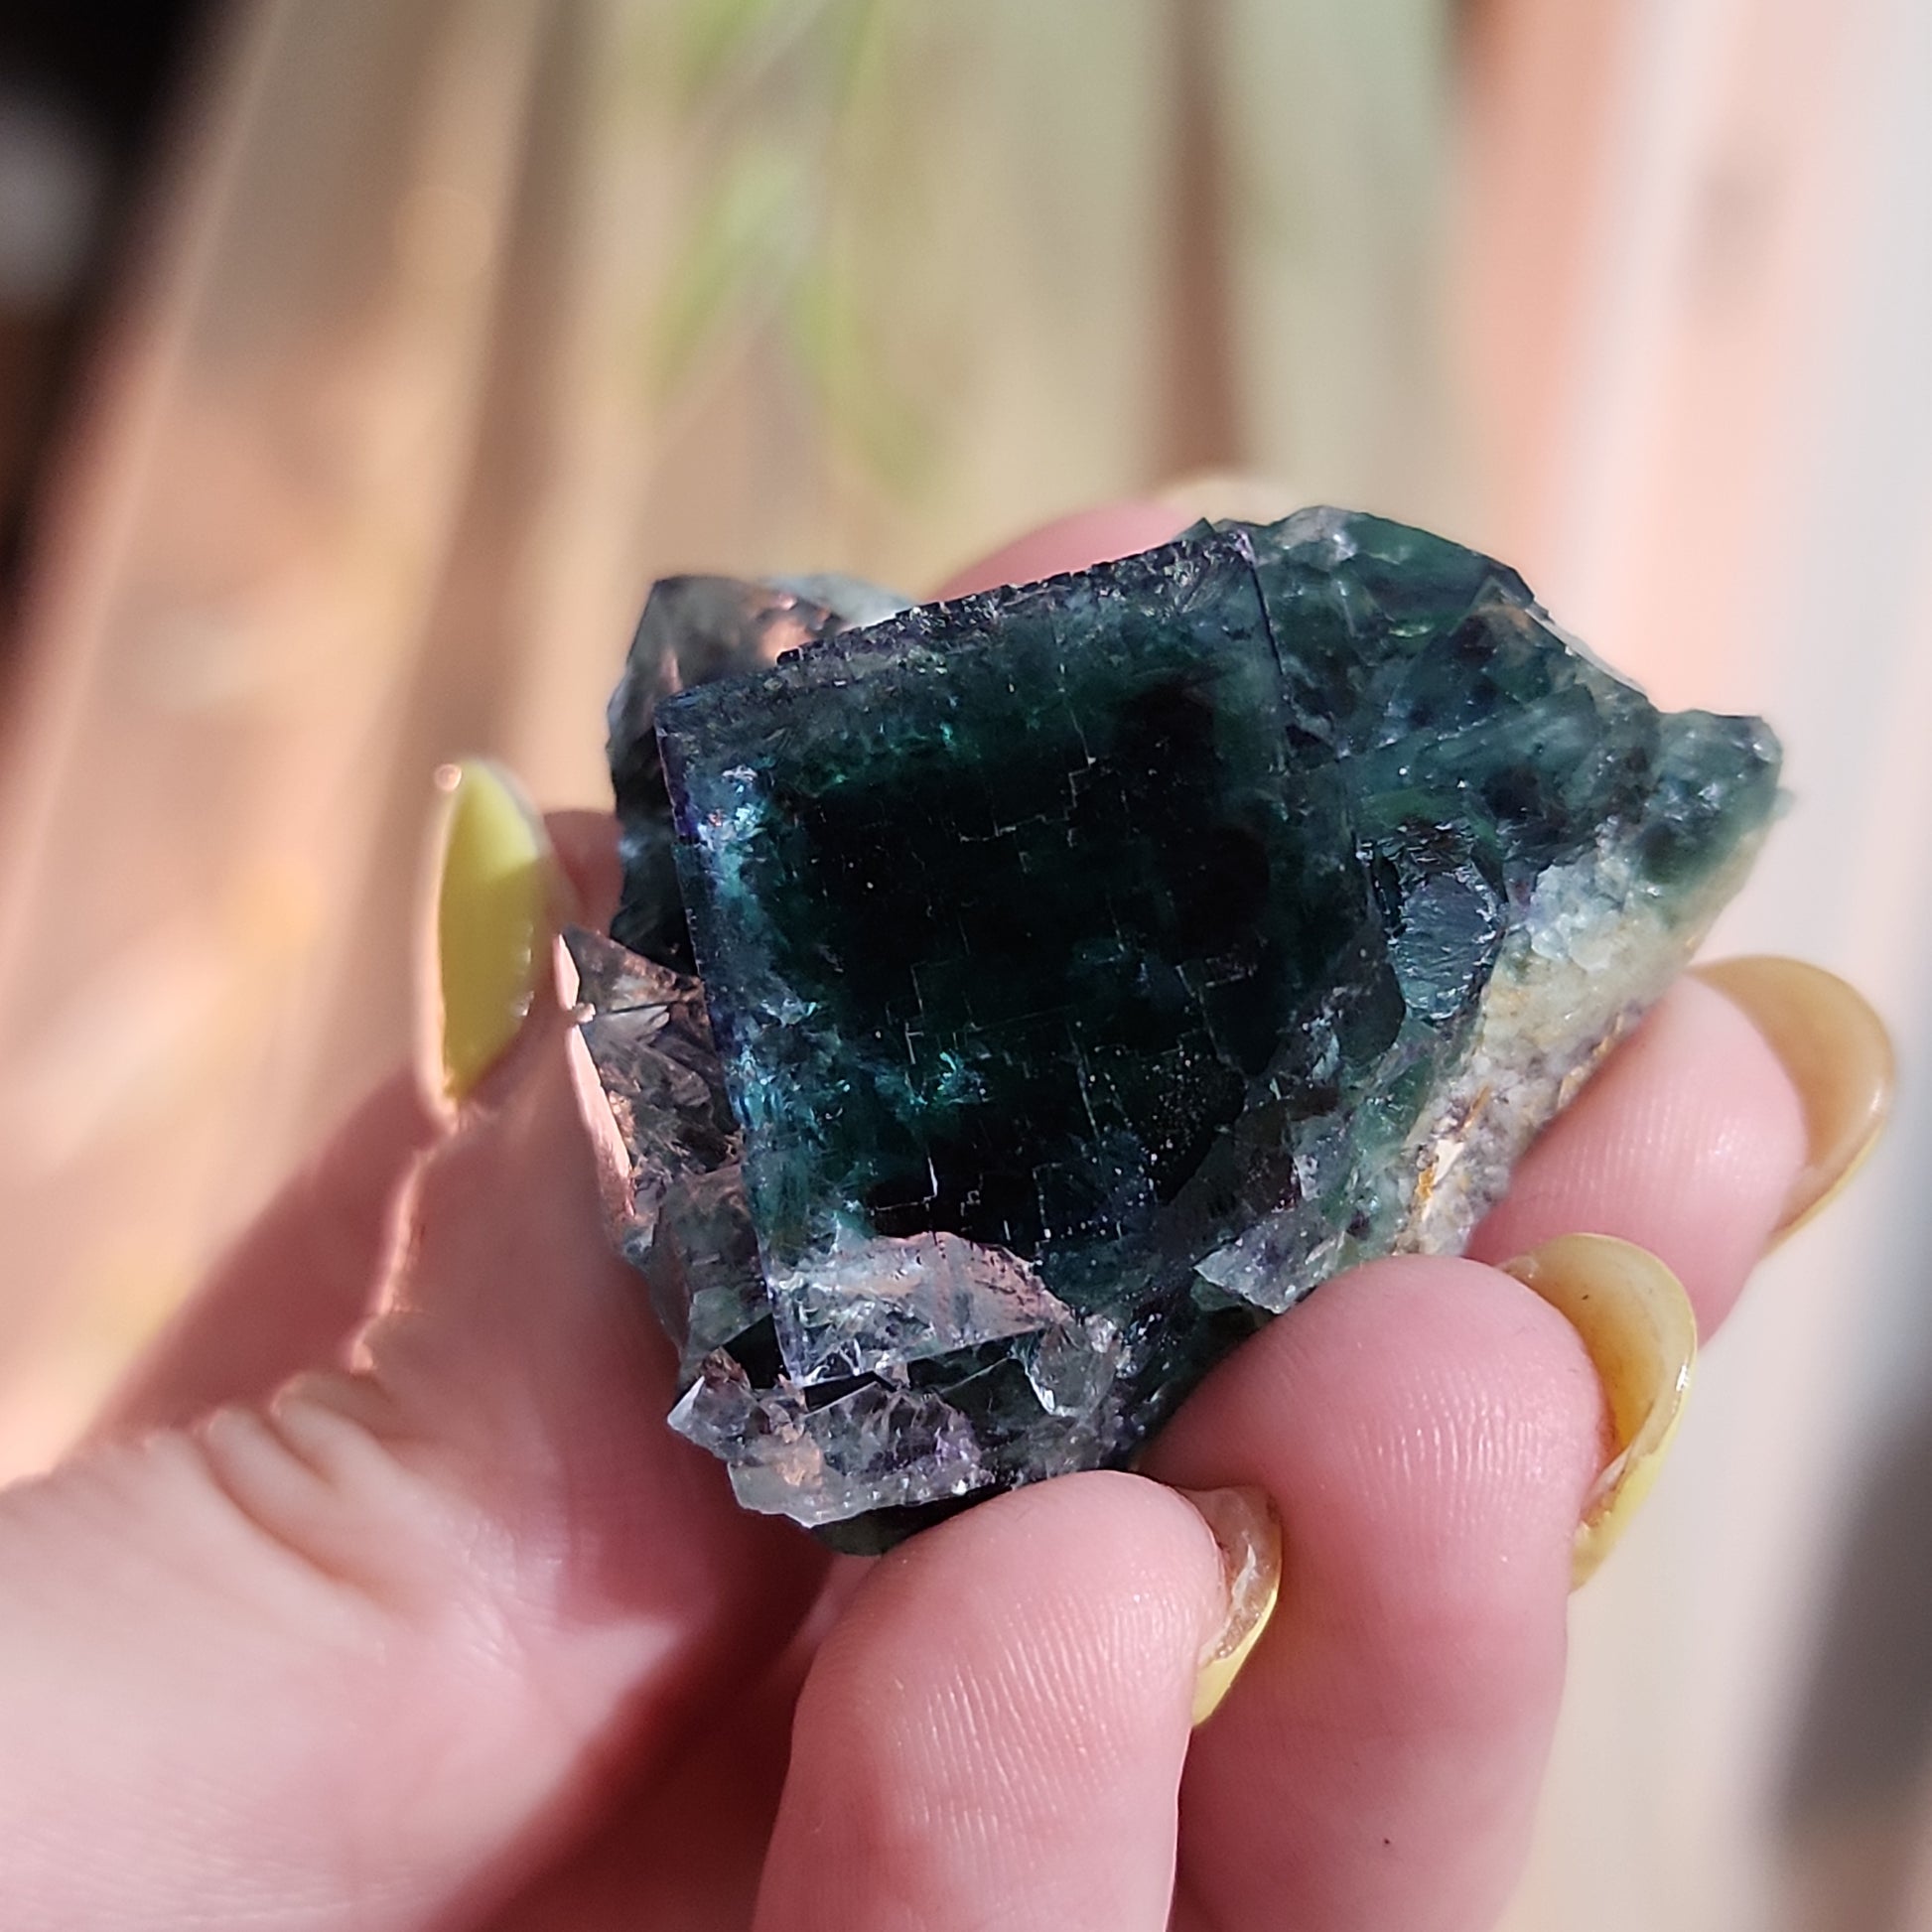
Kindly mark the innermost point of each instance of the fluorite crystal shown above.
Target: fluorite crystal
(1022, 999)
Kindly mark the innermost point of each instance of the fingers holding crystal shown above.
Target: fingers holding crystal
(1430, 1433)
(520, 1342)
(479, 1539)
(994, 1734)
(1412, 1446)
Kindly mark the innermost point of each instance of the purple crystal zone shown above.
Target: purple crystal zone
(668, 1159)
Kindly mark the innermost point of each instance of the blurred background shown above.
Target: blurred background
(363, 361)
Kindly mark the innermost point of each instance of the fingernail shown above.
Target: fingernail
(1641, 1333)
(1230, 495)
(495, 890)
(1839, 1056)
(1244, 1524)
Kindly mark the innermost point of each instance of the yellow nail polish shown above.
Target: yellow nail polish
(1640, 1331)
(1837, 1055)
(1244, 1524)
(489, 945)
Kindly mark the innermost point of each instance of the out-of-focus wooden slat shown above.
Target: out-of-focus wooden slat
(1339, 124)
(256, 524)
(1538, 92)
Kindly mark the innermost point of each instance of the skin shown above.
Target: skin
(381, 1599)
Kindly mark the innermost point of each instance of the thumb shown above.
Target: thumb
(366, 1651)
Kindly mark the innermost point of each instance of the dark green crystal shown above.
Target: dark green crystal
(1095, 966)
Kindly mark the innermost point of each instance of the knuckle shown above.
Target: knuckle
(324, 1481)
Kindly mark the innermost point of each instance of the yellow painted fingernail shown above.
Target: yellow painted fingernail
(1641, 1333)
(1837, 1055)
(489, 946)
(1244, 1524)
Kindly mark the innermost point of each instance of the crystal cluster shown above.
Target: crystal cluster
(1018, 1001)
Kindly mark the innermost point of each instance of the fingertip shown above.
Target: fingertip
(994, 1732)
(1428, 1433)
(587, 849)
(1073, 1583)
(1420, 1421)
(1073, 543)
(1836, 1052)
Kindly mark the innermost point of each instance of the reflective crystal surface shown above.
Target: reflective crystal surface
(695, 630)
(1084, 971)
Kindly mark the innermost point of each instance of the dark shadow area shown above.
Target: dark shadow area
(86, 88)
(1863, 1746)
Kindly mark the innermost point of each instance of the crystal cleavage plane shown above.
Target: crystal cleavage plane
(1018, 1001)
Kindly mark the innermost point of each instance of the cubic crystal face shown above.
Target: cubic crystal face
(1096, 966)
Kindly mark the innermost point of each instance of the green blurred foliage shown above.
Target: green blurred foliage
(781, 102)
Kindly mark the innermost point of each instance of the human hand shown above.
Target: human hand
(426, 1621)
